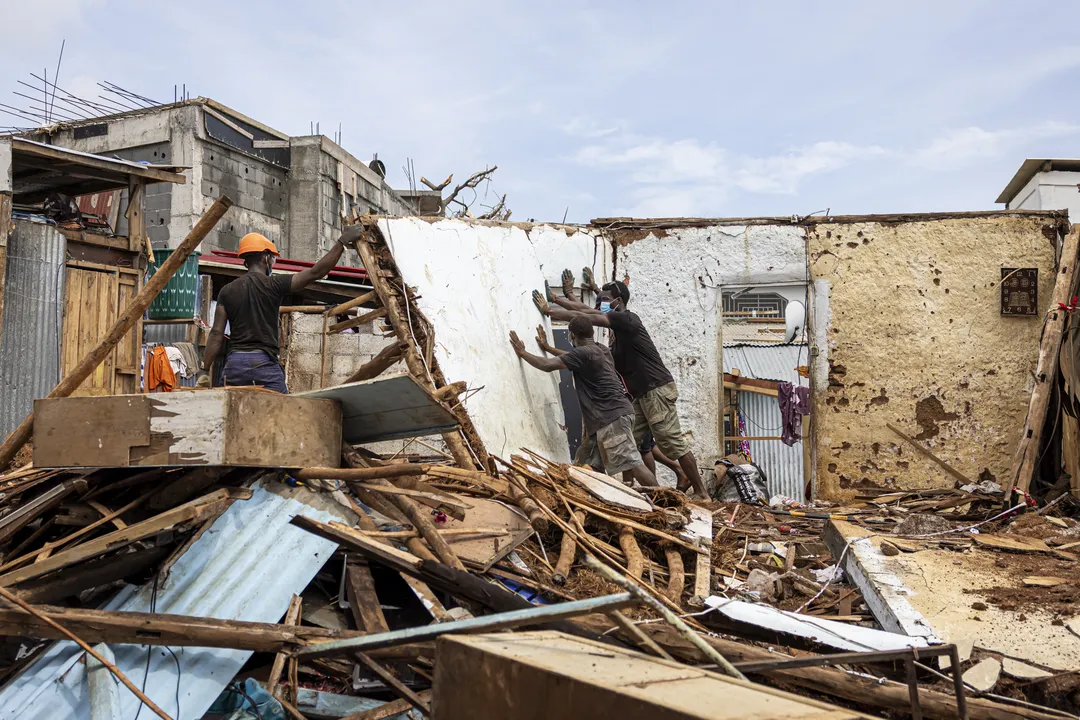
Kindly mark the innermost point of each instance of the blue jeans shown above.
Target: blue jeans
(254, 368)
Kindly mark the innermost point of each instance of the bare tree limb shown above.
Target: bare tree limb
(440, 186)
(474, 180)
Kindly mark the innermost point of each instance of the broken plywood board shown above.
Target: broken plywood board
(488, 514)
(932, 592)
(386, 408)
(608, 489)
(246, 566)
(234, 427)
(549, 674)
(819, 631)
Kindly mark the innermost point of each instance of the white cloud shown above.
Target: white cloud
(965, 146)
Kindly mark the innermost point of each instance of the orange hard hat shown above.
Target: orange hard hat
(255, 243)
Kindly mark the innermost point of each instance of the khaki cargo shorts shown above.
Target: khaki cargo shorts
(617, 447)
(655, 410)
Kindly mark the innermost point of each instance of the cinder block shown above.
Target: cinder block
(306, 343)
(305, 362)
(306, 323)
(345, 364)
(301, 382)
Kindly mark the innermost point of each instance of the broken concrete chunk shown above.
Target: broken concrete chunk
(1043, 581)
(984, 675)
(1022, 671)
(762, 583)
(964, 647)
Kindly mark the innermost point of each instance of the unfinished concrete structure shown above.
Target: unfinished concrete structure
(294, 190)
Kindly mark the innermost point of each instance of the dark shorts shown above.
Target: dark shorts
(254, 368)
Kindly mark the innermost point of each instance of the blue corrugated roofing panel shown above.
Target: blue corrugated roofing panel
(247, 566)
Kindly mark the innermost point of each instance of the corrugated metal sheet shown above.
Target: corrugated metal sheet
(245, 567)
(767, 362)
(33, 319)
(783, 465)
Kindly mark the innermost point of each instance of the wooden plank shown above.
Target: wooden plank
(487, 514)
(189, 512)
(91, 574)
(377, 365)
(292, 619)
(215, 114)
(90, 432)
(86, 160)
(1046, 368)
(608, 489)
(346, 536)
(267, 430)
(386, 408)
(131, 315)
(353, 303)
(395, 685)
(357, 321)
(363, 602)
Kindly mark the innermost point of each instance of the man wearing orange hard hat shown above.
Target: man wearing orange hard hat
(250, 306)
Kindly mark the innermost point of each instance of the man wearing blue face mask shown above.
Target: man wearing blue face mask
(637, 360)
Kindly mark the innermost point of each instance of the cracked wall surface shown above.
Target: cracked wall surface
(908, 332)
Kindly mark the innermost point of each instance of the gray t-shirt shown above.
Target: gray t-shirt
(600, 390)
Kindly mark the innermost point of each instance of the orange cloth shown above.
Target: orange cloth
(159, 373)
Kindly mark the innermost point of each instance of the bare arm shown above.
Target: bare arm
(540, 363)
(598, 319)
(571, 304)
(216, 339)
(542, 341)
(327, 262)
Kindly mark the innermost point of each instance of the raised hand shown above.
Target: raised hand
(541, 337)
(540, 303)
(515, 342)
(588, 280)
(568, 283)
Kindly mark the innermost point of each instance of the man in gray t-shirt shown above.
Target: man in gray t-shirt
(605, 408)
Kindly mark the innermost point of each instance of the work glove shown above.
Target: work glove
(568, 283)
(540, 303)
(350, 235)
(588, 280)
(203, 381)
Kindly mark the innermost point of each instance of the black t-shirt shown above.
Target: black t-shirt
(251, 302)
(635, 355)
(600, 392)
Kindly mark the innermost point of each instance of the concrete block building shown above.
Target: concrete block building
(294, 190)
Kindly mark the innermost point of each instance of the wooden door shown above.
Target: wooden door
(94, 295)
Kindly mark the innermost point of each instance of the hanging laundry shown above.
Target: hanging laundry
(159, 373)
(794, 403)
(177, 361)
(191, 357)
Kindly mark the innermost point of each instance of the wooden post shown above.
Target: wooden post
(292, 617)
(322, 365)
(137, 235)
(676, 573)
(635, 561)
(567, 552)
(454, 441)
(1046, 369)
(123, 324)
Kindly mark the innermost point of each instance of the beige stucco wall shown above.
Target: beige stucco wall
(907, 330)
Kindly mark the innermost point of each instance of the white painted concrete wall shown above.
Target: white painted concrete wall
(475, 282)
(676, 283)
(1054, 190)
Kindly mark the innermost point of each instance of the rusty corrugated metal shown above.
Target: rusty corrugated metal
(33, 319)
(783, 465)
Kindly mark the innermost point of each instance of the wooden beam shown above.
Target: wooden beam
(91, 574)
(363, 602)
(361, 474)
(138, 239)
(228, 123)
(396, 685)
(1046, 368)
(355, 302)
(193, 511)
(378, 364)
(364, 319)
(292, 619)
(131, 315)
(389, 298)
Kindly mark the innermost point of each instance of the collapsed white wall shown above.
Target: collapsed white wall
(676, 280)
(475, 283)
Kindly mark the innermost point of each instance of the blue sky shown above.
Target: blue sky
(625, 108)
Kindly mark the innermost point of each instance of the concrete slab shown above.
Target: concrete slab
(929, 594)
(984, 675)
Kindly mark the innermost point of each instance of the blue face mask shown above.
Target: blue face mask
(605, 307)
